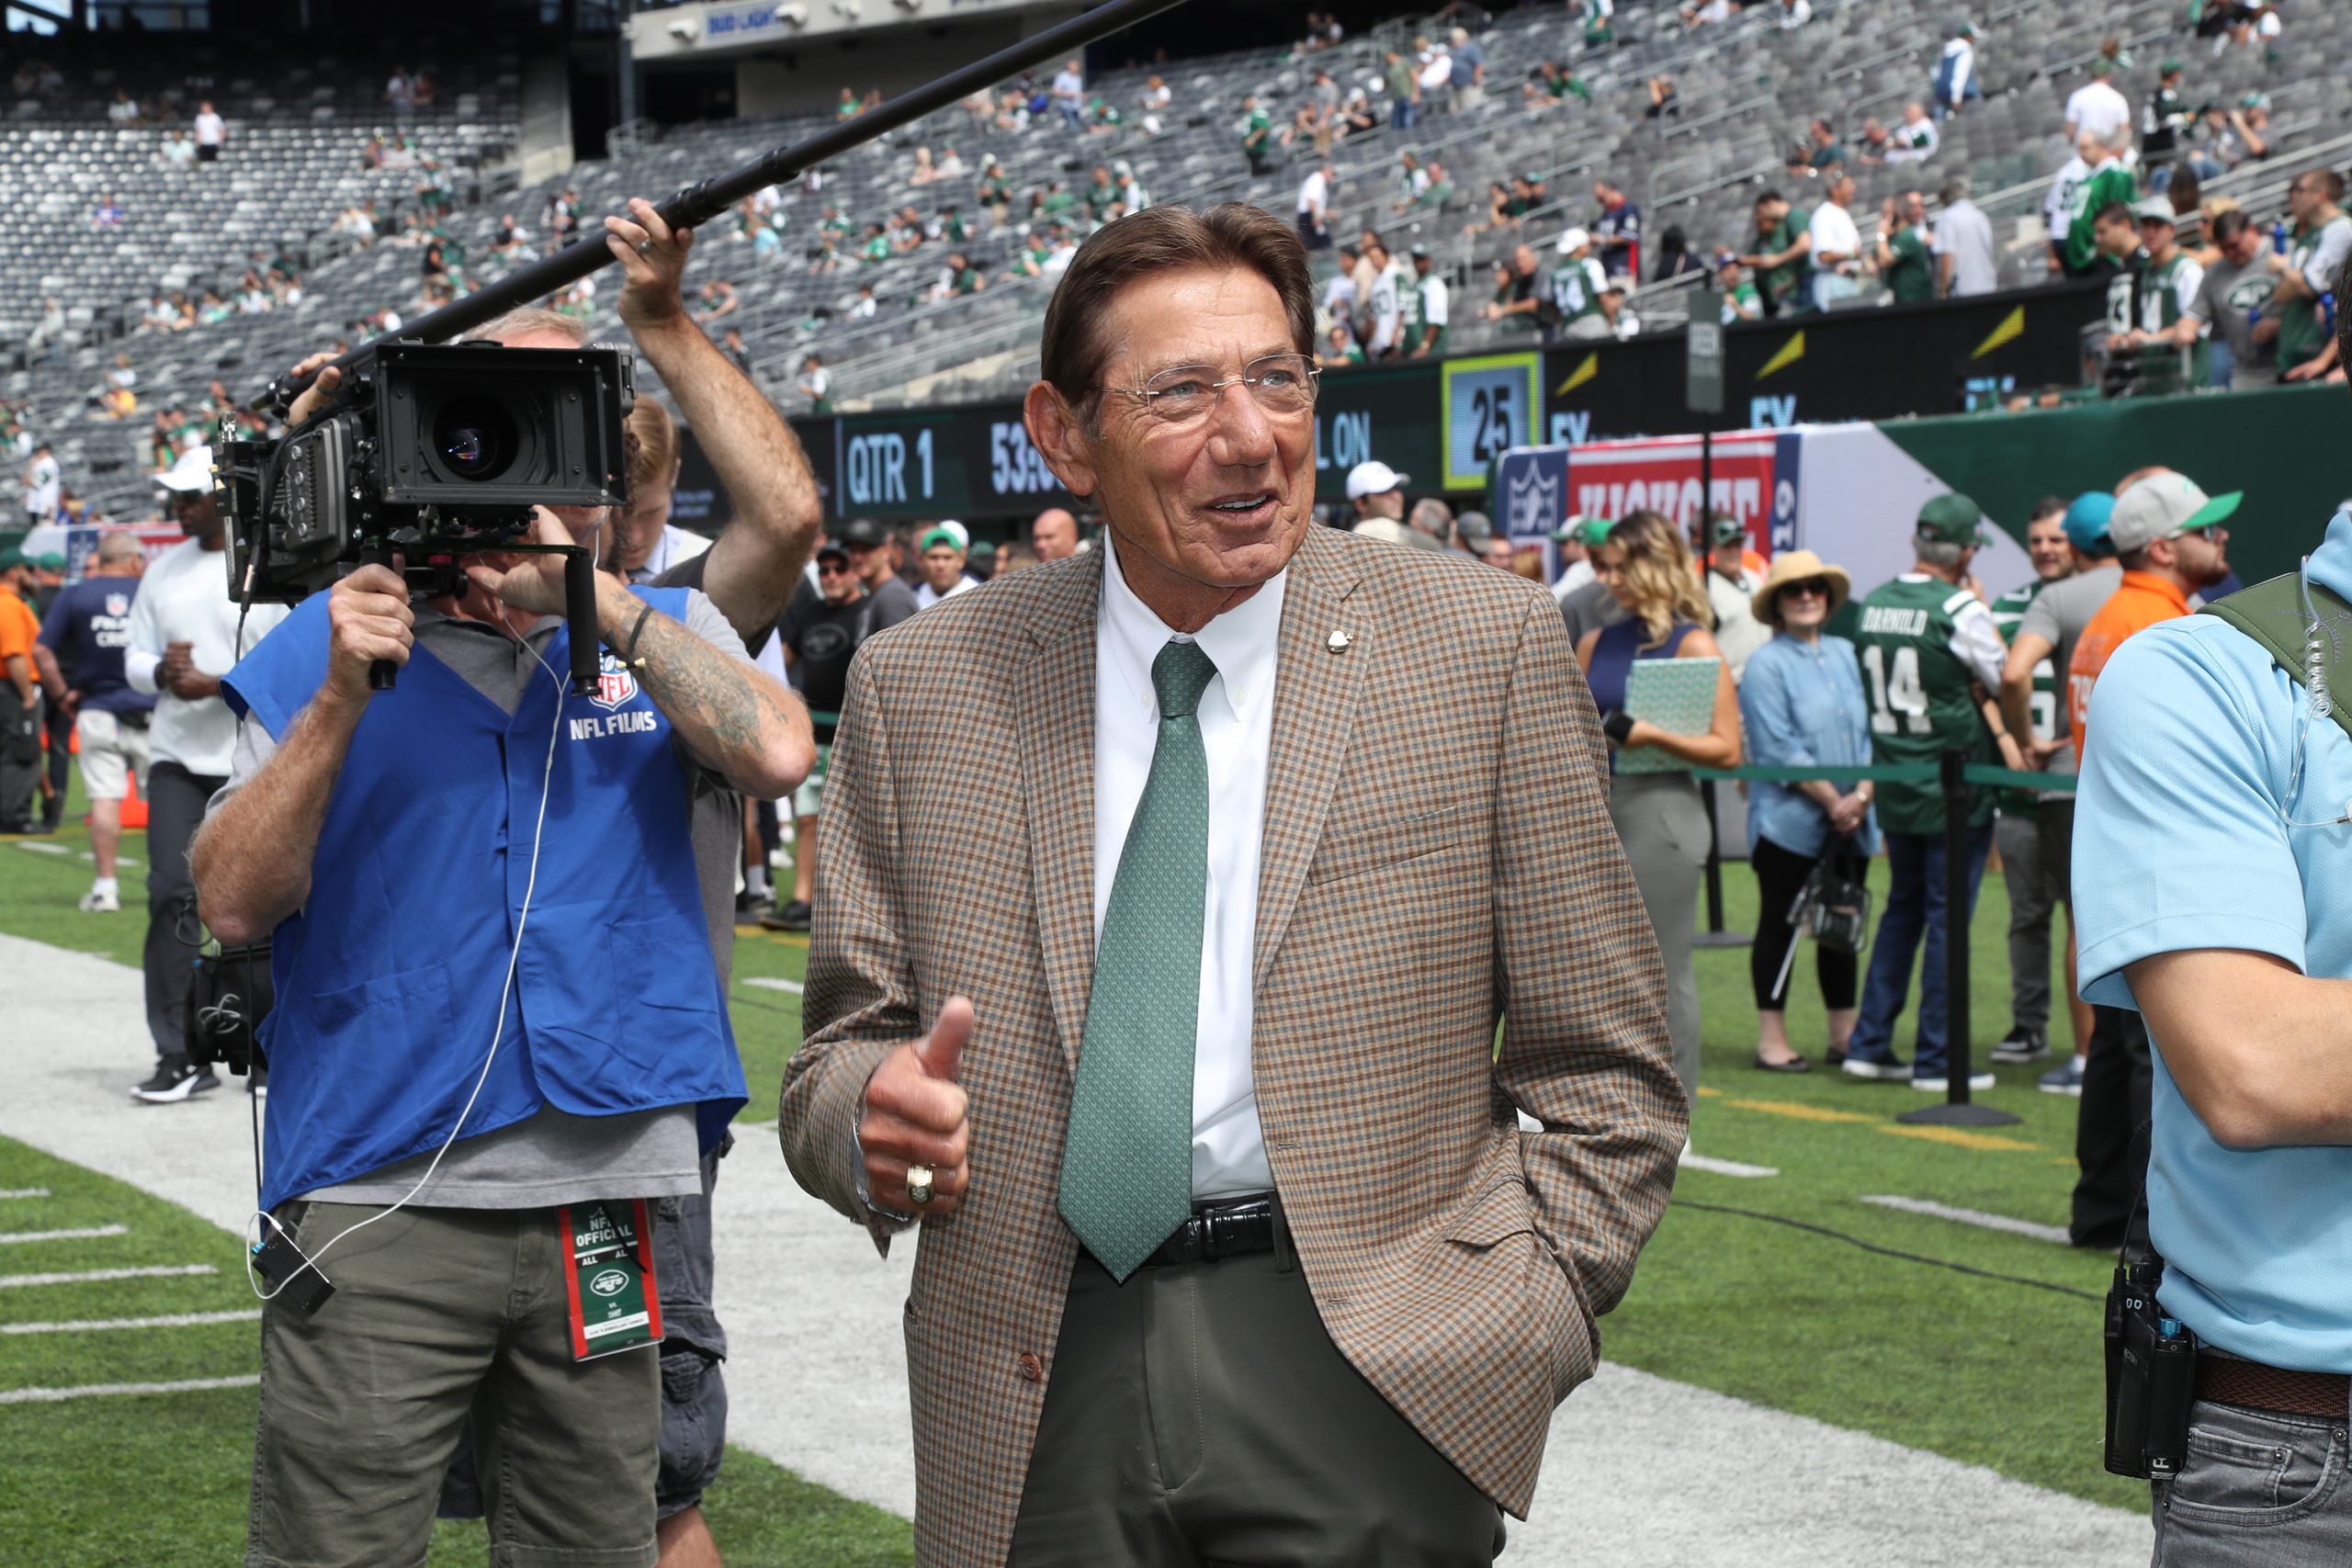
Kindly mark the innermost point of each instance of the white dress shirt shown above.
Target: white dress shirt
(1236, 719)
(184, 597)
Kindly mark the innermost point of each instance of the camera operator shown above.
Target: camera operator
(750, 574)
(2234, 943)
(474, 1032)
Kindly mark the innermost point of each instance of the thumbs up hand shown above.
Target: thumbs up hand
(914, 1113)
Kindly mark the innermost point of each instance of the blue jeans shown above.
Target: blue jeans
(1400, 114)
(1915, 907)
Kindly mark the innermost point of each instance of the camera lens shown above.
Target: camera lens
(475, 439)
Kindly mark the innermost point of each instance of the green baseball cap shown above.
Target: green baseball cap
(11, 557)
(941, 535)
(2170, 68)
(1952, 519)
(1725, 529)
(49, 561)
(1587, 531)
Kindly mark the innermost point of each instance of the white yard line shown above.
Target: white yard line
(97, 1276)
(1640, 1473)
(1727, 1167)
(765, 983)
(105, 1325)
(43, 849)
(24, 1191)
(119, 860)
(105, 1389)
(2056, 1234)
(77, 1233)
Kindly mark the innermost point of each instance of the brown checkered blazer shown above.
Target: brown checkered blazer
(1438, 856)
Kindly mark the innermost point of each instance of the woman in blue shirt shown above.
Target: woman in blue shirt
(1801, 702)
(1658, 816)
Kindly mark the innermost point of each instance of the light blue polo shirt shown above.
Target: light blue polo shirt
(2180, 843)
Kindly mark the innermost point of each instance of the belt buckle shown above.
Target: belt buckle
(1209, 1249)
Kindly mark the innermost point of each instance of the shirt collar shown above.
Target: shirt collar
(1240, 642)
(2163, 588)
(2332, 562)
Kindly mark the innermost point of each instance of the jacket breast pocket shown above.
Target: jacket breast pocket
(1383, 845)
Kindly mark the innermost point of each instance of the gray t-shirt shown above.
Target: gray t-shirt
(2058, 614)
(550, 1157)
(1589, 608)
(2228, 302)
(887, 606)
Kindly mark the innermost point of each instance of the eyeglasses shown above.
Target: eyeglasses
(1811, 587)
(1283, 385)
(826, 569)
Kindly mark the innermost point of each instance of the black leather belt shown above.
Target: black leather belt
(1230, 1227)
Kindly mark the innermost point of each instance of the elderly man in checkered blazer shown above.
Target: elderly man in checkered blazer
(1212, 858)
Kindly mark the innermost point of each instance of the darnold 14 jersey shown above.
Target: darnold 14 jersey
(1920, 696)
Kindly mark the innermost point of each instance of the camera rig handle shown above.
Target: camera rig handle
(383, 672)
(699, 203)
(580, 609)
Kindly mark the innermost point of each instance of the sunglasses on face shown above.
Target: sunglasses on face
(832, 569)
(1811, 587)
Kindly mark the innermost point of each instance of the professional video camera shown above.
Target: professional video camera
(430, 454)
(435, 451)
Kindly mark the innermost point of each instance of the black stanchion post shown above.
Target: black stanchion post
(1714, 935)
(1957, 1107)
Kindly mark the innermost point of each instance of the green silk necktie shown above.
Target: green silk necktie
(1127, 1162)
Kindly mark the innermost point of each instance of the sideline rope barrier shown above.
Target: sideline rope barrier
(1888, 773)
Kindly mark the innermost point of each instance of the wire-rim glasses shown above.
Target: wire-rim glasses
(1283, 384)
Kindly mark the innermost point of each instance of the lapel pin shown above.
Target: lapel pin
(1338, 642)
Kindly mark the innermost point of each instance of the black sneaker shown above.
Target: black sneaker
(750, 906)
(792, 917)
(2022, 1045)
(176, 1078)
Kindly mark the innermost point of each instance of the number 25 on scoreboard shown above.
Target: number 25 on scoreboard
(1492, 404)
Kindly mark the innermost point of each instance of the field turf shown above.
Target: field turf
(1999, 1368)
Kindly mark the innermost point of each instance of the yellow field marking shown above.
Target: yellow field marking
(1801, 1111)
(782, 939)
(1708, 1092)
(1959, 1138)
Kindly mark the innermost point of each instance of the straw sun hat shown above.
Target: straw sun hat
(1795, 565)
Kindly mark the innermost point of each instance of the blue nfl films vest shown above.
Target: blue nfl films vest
(390, 974)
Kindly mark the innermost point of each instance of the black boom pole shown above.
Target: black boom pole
(1957, 1107)
(697, 204)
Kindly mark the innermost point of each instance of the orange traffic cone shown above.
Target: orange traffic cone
(134, 805)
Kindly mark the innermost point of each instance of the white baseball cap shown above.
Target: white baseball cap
(1574, 239)
(963, 535)
(192, 470)
(2162, 505)
(1375, 478)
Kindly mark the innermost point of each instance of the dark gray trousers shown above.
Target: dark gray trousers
(1199, 1415)
(176, 802)
(2033, 895)
(19, 758)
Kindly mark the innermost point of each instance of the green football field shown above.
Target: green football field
(1789, 1289)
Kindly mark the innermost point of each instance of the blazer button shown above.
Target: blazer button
(1031, 1369)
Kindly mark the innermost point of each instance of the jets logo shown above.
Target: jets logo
(615, 684)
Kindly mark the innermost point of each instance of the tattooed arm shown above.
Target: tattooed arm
(740, 723)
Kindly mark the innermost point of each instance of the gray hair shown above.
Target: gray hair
(1431, 516)
(1937, 553)
(119, 545)
(527, 318)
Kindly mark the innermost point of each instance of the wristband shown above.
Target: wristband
(628, 653)
(1618, 725)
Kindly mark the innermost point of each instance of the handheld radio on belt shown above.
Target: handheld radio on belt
(2151, 1375)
